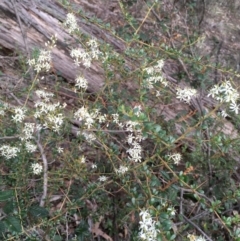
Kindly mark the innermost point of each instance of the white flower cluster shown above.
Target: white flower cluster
(147, 227)
(155, 73)
(137, 110)
(71, 23)
(192, 237)
(54, 122)
(81, 83)
(116, 120)
(49, 111)
(121, 170)
(90, 137)
(176, 157)
(44, 95)
(37, 168)
(86, 57)
(227, 94)
(134, 139)
(82, 114)
(186, 94)
(30, 147)
(28, 130)
(43, 61)
(19, 114)
(102, 178)
(27, 134)
(9, 151)
(3, 108)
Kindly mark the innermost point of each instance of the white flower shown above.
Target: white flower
(71, 23)
(224, 114)
(137, 110)
(130, 125)
(200, 238)
(193, 237)
(115, 118)
(92, 43)
(81, 56)
(81, 82)
(135, 152)
(90, 137)
(9, 151)
(130, 138)
(42, 63)
(19, 114)
(37, 168)
(148, 231)
(155, 73)
(224, 92)
(44, 94)
(102, 118)
(186, 94)
(171, 211)
(83, 115)
(30, 147)
(94, 166)
(102, 178)
(82, 159)
(121, 170)
(28, 130)
(60, 150)
(2, 112)
(234, 107)
(176, 157)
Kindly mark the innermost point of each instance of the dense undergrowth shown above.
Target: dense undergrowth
(115, 166)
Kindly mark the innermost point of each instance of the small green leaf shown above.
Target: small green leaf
(13, 224)
(38, 212)
(8, 207)
(6, 195)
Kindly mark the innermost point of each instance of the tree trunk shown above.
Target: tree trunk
(28, 24)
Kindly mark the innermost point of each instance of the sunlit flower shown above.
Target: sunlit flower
(30, 147)
(19, 114)
(148, 231)
(37, 168)
(176, 157)
(94, 166)
(186, 94)
(137, 110)
(224, 114)
(102, 178)
(121, 170)
(234, 107)
(60, 150)
(71, 23)
(135, 152)
(81, 82)
(9, 151)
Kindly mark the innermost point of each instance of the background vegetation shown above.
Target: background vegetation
(153, 155)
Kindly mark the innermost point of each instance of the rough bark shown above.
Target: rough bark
(29, 24)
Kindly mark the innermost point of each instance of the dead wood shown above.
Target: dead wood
(26, 25)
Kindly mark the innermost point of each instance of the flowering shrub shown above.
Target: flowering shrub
(114, 166)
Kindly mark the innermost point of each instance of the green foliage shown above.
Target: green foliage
(130, 161)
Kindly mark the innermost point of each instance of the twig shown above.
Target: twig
(22, 31)
(195, 226)
(18, 101)
(9, 137)
(204, 213)
(45, 171)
